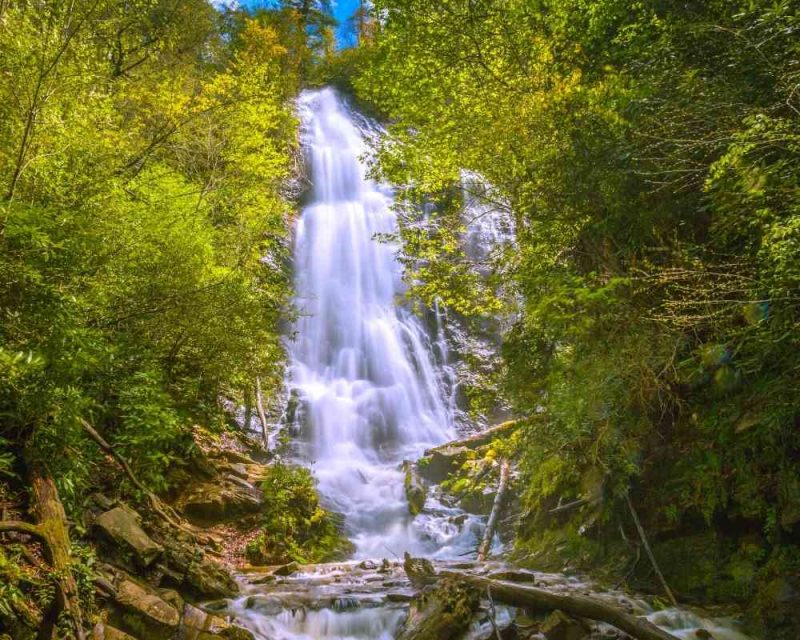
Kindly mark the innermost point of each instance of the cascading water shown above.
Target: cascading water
(371, 387)
(363, 367)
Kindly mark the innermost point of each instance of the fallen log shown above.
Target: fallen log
(482, 438)
(497, 507)
(578, 606)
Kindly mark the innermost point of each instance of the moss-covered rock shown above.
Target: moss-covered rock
(416, 491)
(122, 536)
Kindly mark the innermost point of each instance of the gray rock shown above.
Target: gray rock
(144, 612)
(120, 527)
(559, 626)
(442, 461)
(103, 631)
(211, 503)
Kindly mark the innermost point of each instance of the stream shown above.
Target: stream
(374, 388)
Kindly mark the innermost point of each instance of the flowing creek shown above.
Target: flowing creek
(372, 385)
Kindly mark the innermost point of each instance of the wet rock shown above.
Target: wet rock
(559, 626)
(415, 489)
(702, 634)
(119, 529)
(221, 501)
(286, 569)
(418, 570)
(399, 597)
(103, 631)
(367, 565)
(144, 613)
(196, 624)
(442, 461)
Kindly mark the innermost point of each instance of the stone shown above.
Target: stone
(144, 612)
(367, 565)
(208, 579)
(286, 569)
(212, 503)
(103, 631)
(415, 489)
(196, 624)
(120, 527)
(190, 570)
(442, 461)
(559, 626)
(418, 570)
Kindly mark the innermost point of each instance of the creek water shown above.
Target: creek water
(373, 388)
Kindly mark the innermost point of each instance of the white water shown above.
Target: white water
(371, 393)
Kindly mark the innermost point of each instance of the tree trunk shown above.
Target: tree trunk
(497, 507)
(261, 415)
(248, 409)
(649, 552)
(52, 525)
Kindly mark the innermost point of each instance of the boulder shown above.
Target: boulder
(286, 569)
(443, 612)
(221, 501)
(559, 626)
(103, 631)
(199, 625)
(119, 528)
(416, 491)
(190, 570)
(442, 461)
(143, 612)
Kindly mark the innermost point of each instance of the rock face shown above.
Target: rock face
(119, 527)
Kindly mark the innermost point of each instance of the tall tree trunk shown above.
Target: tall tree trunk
(261, 415)
(53, 530)
(497, 507)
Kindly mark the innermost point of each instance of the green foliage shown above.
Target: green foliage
(295, 526)
(145, 153)
(649, 154)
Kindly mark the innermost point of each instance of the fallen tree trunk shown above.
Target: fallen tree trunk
(578, 606)
(497, 507)
(482, 438)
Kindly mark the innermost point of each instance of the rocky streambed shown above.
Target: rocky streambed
(377, 600)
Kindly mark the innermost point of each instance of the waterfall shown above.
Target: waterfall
(362, 365)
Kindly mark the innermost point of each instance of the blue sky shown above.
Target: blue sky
(343, 9)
